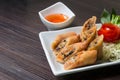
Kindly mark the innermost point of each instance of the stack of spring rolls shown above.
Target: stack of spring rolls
(75, 50)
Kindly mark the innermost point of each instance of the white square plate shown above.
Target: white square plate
(47, 38)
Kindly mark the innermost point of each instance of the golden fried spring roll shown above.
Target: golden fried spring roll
(88, 35)
(66, 52)
(82, 58)
(65, 42)
(89, 24)
(97, 44)
(89, 30)
(61, 37)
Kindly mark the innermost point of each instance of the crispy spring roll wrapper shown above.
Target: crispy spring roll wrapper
(65, 42)
(89, 30)
(97, 44)
(61, 37)
(88, 36)
(67, 51)
(89, 24)
(82, 58)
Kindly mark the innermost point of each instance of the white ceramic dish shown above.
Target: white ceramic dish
(58, 7)
(57, 68)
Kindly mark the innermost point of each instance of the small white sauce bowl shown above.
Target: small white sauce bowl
(57, 8)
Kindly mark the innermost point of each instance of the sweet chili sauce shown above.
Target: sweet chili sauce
(56, 18)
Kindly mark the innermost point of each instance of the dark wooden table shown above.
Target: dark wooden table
(21, 53)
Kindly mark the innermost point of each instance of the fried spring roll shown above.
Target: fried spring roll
(89, 24)
(88, 35)
(89, 30)
(97, 44)
(66, 52)
(60, 38)
(63, 40)
(82, 58)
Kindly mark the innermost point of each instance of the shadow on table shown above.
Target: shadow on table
(96, 74)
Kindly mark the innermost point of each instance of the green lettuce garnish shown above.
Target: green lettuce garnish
(110, 17)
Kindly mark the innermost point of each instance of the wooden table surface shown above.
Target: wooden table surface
(21, 53)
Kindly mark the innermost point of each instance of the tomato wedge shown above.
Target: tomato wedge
(110, 31)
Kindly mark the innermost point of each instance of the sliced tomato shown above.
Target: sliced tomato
(111, 32)
(119, 33)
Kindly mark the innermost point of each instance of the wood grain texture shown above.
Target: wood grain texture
(21, 54)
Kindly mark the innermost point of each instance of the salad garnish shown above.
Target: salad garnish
(110, 17)
(110, 26)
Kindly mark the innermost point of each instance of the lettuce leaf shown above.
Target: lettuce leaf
(115, 20)
(110, 17)
(105, 17)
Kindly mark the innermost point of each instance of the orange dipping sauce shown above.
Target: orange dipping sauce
(56, 18)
